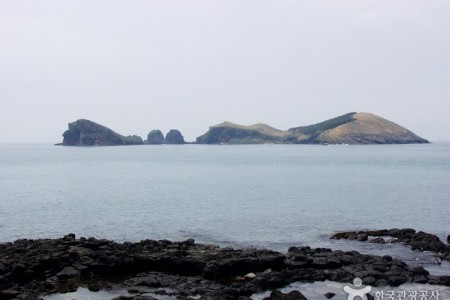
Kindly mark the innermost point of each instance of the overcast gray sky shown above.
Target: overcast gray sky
(138, 65)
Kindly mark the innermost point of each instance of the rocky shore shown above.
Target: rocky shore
(417, 240)
(30, 269)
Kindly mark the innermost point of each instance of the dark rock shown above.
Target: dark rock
(123, 298)
(419, 270)
(395, 280)
(137, 290)
(329, 295)
(378, 240)
(87, 133)
(387, 257)
(174, 137)
(155, 137)
(94, 287)
(421, 241)
(9, 294)
(68, 272)
(186, 269)
(27, 297)
(293, 295)
(69, 237)
(144, 297)
(439, 280)
(362, 237)
(369, 280)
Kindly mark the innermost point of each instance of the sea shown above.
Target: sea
(261, 196)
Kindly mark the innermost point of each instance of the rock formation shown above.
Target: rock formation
(420, 240)
(351, 128)
(87, 133)
(155, 137)
(230, 133)
(174, 137)
(32, 268)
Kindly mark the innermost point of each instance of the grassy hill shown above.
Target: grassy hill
(351, 128)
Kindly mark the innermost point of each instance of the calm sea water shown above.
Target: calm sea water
(271, 196)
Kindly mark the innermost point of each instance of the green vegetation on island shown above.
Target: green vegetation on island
(351, 128)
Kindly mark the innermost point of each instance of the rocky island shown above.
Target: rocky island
(87, 133)
(173, 137)
(351, 128)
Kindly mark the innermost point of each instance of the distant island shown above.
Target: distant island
(87, 133)
(352, 128)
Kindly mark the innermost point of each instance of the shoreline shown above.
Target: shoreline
(30, 269)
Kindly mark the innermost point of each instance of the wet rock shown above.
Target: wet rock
(362, 237)
(9, 294)
(396, 280)
(123, 298)
(277, 295)
(440, 280)
(69, 237)
(137, 290)
(186, 269)
(419, 270)
(143, 297)
(329, 295)
(94, 287)
(68, 272)
(378, 240)
(421, 241)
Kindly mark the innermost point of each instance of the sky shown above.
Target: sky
(139, 65)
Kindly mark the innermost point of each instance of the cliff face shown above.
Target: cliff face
(87, 133)
(351, 128)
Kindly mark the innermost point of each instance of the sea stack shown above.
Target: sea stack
(155, 137)
(174, 137)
